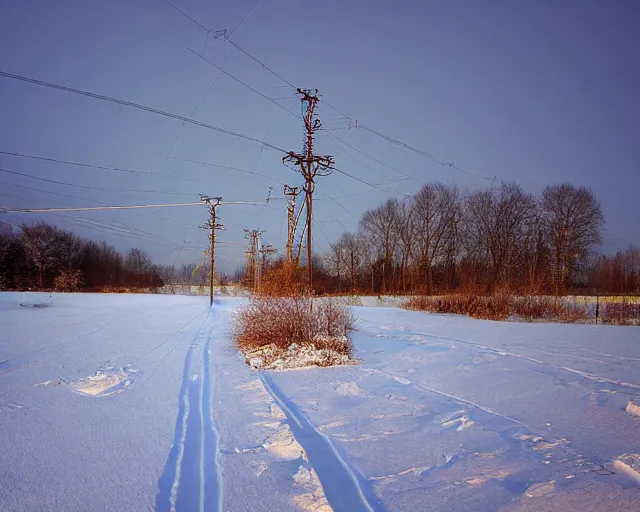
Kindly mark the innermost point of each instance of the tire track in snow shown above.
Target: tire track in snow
(344, 488)
(191, 480)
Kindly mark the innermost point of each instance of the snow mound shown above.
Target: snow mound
(542, 489)
(633, 409)
(313, 500)
(270, 357)
(628, 465)
(50, 383)
(283, 445)
(106, 381)
(350, 389)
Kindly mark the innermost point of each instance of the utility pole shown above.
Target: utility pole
(253, 263)
(292, 221)
(213, 226)
(310, 165)
(265, 250)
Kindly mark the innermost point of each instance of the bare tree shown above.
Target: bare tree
(405, 239)
(50, 250)
(435, 211)
(572, 223)
(348, 255)
(381, 226)
(7, 240)
(496, 222)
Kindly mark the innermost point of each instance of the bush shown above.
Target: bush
(500, 307)
(280, 323)
(68, 281)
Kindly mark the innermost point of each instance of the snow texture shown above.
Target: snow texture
(139, 402)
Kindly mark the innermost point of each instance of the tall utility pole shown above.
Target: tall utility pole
(213, 226)
(310, 165)
(292, 220)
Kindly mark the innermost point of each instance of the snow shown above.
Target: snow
(270, 357)
(139, 402)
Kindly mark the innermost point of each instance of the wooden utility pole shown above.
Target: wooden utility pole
(213, 226)
(310, 165)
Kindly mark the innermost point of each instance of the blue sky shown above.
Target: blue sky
(536, 92)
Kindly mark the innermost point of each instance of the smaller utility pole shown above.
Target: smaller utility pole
(265, 250)
(253, 265)
(292, 220)
(213, 225)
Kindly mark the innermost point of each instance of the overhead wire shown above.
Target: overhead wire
(50, 192)
(187, 16)
(243, 83)
(208, 164)
(90, 187)
(244, 17)
(341, 141)
(95, 166)
(371, 130)
(139, 107)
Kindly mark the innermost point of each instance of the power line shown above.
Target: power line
(49, 192)
(333, 168)
(138, 106)
(261, 63)
(95, 208)
(89, 187)
(423, 153)
(123, 207)
(243, 83)
(244, 18)
(341, 141)
(187, 16)
(379, 134)
(95, 166)
(208, 164)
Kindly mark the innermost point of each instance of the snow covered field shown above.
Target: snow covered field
(134, 402)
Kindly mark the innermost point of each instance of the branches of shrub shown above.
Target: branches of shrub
(300, 320)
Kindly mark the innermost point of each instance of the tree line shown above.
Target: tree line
(41, 256)
(501, 238)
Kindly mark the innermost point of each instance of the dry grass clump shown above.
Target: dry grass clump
(500, 307)
(286, 332)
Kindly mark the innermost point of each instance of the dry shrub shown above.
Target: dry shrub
(500, 307)
(68, 281)
(280, 322)
(622, 313)
(283, 280)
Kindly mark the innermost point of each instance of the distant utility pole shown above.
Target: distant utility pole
(310, 165)
(253, 262)
(265, 250)
(292, 220)
(212, 224)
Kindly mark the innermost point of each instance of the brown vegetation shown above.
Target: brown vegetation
(442, 241)
(622, 313)
(501, 307)
(282, 324)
